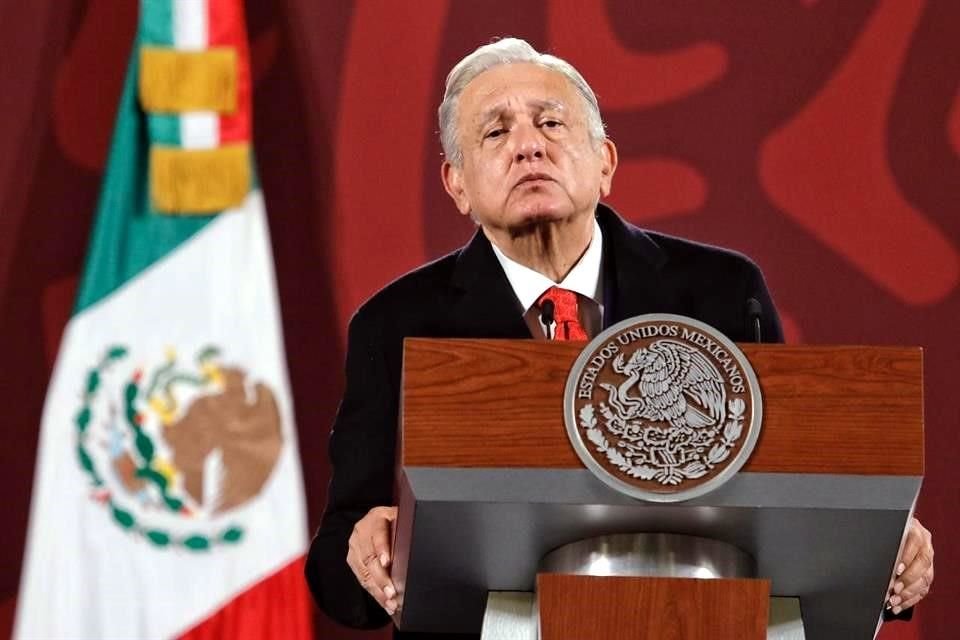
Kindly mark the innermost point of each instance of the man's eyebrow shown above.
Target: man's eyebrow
(491, 114)
(496, 112)
(547, 105)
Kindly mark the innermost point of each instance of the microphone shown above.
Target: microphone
(546, 315)
(754, 311)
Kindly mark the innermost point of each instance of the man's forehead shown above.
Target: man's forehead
(517, 85)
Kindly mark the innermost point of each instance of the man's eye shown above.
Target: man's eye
(551, 124)
(496, 133)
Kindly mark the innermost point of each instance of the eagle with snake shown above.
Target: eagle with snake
(677, 385)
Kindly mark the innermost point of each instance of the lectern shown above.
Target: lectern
(488, 486)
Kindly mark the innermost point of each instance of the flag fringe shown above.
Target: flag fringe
(199, 181)
(174, 81)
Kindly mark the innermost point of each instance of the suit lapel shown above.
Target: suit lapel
(632, 264)
(485, 305)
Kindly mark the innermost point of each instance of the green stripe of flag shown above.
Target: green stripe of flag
(156, 29)
(156, 23)
(128, 235)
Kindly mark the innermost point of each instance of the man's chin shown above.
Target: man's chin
(534, 217)
(540, 213)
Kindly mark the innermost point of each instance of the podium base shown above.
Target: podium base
(512, 615)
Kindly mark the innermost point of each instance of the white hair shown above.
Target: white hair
(506, 51)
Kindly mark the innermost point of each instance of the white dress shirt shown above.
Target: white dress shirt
(585, 279)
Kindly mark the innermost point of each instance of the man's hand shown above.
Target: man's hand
(369, 555)
(914, 573)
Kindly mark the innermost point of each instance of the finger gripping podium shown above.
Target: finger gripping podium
(488, 485)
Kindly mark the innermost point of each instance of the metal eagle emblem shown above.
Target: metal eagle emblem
(662, 407)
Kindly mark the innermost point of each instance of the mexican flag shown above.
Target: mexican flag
(168, 498)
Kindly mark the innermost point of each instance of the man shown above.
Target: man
(528, 159)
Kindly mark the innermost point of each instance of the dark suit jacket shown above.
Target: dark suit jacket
(467, 294)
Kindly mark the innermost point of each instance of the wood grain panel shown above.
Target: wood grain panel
(499, 403)
(618, 608)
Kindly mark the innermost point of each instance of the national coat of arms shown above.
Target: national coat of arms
(173, 450)
(662, 407)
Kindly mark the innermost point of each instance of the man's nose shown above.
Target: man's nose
(529, 144)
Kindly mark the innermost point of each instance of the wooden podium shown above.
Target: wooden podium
(488, 484)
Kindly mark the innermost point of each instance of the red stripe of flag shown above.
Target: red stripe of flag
(276, 607)
(227, 28)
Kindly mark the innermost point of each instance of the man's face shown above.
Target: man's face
(527, 152)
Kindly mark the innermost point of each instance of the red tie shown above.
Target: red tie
(565, 314)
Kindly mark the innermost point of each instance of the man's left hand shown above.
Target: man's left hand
(914, 573)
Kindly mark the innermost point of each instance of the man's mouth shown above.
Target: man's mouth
(533, 177)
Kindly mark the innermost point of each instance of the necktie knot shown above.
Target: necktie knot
(566, 314)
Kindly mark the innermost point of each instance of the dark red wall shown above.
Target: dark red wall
(821, 137)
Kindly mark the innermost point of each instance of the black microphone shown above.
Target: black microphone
(546, 315)
(754, 311)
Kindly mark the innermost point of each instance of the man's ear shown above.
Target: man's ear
(608, 155)
(452, 178)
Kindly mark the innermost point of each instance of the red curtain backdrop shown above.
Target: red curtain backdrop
(821, 137)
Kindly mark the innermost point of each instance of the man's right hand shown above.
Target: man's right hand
(369, 556)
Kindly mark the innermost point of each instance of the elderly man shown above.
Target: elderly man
(528, 159)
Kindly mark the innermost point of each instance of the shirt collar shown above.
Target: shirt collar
(584, 277)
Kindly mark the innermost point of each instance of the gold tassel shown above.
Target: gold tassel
(173, 81)
(199, 181)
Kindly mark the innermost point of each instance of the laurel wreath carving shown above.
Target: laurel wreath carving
(145, 448)
(638, 462)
